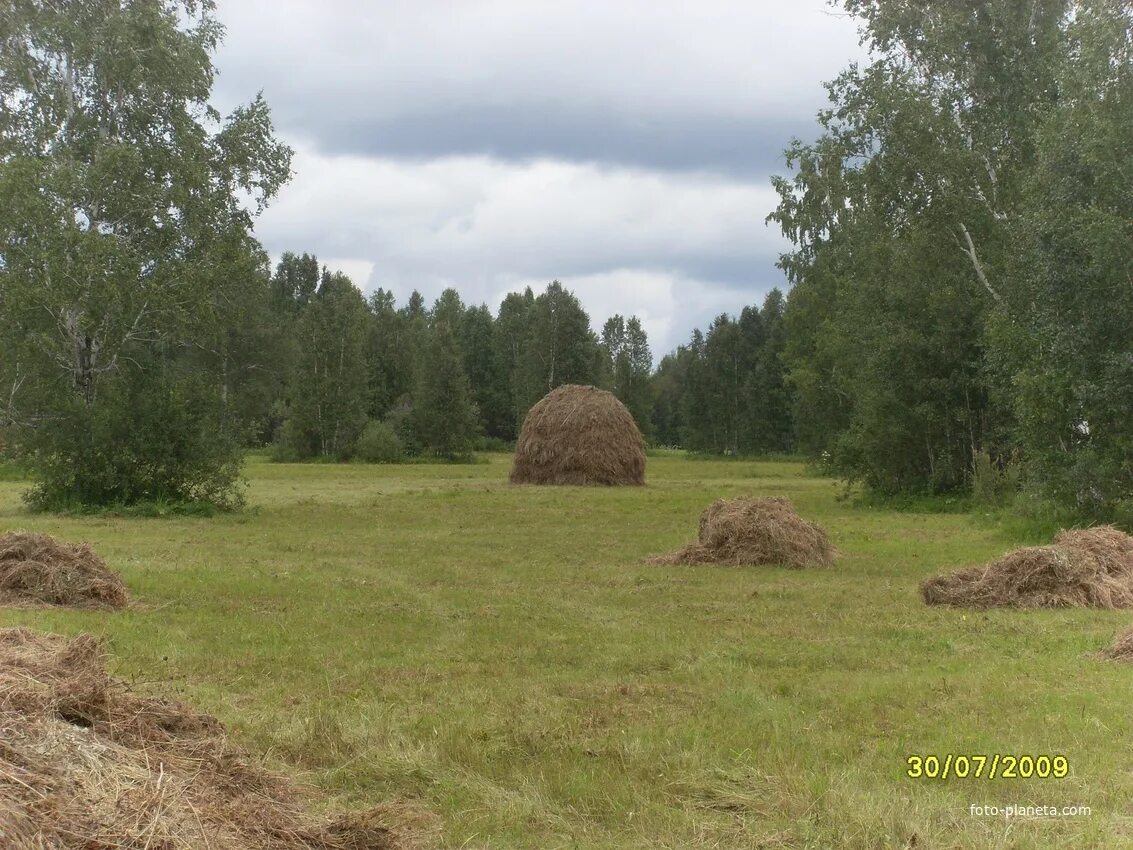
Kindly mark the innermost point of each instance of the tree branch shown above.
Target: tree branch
(970, 250)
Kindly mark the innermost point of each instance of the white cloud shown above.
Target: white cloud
(357, 270)
(627, 240)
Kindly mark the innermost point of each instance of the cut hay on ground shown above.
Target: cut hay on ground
(37, 569)
(579, 435)
(1088, 568)
(744, 532)
(85, 764)
(1122, 647)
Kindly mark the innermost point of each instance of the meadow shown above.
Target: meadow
(500, 659)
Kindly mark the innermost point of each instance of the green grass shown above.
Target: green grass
(502, 657)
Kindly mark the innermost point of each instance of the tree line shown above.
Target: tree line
(424, 379)
(356, 377)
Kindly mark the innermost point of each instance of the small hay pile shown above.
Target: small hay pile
(87, 765)
(37, 569)
(743, 532)
(1087, 568)
(1122, 647)
(579, 435)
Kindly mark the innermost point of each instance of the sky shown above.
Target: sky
(623, 148)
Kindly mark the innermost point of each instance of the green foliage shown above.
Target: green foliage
(378, 443)
(328, 387)
(995, 485)
(512, 332)
(961, 255)
(494, 444)
(158, 438)
(126, 255)
(1065, 338)
(445, 417)
(558, 347)
(629, 365)
(726, 392)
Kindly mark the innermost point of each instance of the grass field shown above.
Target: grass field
(501, 657)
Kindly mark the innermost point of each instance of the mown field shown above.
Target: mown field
(501, 657)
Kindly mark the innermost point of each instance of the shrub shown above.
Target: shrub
(160, 438)
(994, 484)
(378, 443)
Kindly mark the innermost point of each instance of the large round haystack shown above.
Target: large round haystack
(1089, 568)
(37, 569)
(86, 763)
(743, 532)
(579, 435)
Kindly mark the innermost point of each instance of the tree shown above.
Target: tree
(512, 331)
(901, 217)
(444, 414)
(1061, 346)
(485, 372)
(628, 363)
(560, 348)
(329, 386)
(295, 281)
(391, 346)
(249, 350)
(119, 206)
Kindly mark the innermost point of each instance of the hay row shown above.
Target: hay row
(1087, 568)
(86, 764)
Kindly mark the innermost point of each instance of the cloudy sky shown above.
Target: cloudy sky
(623, 148)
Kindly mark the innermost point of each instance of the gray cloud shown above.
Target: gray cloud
(622, 148)
(746, 146)
(720, 84)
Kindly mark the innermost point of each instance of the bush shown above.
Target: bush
(493, 444)
(401, 419)
(158, 438)
(995, 484)
(284, 448)
(378, 443)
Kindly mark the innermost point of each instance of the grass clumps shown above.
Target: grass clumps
(748, 532)
(1083, 568)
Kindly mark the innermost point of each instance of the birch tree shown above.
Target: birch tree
(122, 193)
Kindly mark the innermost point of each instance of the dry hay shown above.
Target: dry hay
(1122, 647)
(86, 764)
(1086, 568)
(37, 569)
(743, 532)
(579, 435)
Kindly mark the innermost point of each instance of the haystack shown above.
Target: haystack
(37, 569)
(743, 532)
(85, 764)
(579, 435)
(1088, 568)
